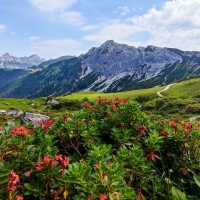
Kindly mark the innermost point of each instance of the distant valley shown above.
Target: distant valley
(112, 67)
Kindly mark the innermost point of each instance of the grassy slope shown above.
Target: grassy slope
(125, 95)
(185, 89)
(177, 97)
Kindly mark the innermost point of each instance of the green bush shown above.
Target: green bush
(109, 150)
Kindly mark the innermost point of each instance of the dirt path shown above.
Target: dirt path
(166, 88)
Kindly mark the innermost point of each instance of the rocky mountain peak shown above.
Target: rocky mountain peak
(9, 61)
(6, 55)
(108, 43)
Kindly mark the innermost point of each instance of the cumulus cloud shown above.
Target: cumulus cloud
(176, 14)
(2, 27)
(117, 31)
(52, 5)
(73, 18)
(34, 38)
(176, 24)
(123, 10)
(57, 48)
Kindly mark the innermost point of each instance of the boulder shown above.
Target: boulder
(10, 123)
(52, 101)
(33, 118)
(3, 112)
(15, 112)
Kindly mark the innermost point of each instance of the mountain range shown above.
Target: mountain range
(12, 62)
(112, 67)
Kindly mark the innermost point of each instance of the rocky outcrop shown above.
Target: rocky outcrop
(3, 112)
(52, 101)
(10, 123)
(15, 113)
(33, 118)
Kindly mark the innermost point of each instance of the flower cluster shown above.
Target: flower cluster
(50, 162)
(117, 100)
(20, 131)
(102, 197)
(12, 181)
(46, 125)
(141, 129)
(64, 161)
(19, 197)
(47, 162)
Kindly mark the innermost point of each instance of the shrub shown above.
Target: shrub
(108, 150)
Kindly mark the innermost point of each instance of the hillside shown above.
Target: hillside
(8, 75)
(112, 67)
(175, 104)
(45, 64)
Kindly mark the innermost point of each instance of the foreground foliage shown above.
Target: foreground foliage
(108, 150)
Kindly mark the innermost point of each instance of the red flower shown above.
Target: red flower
(173, 124)
(164, 133)
(20, 131)
(113, 107)
(86, 105)
(64, 161)
(47, 124)
(96, 166)
(28, 174)
(102, 197)
(40, 165)
(141, 129)
(12, 181)
(17, 197)
(123, 125)
(152, 156)
(102, 100)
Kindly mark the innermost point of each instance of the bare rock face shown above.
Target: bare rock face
(15, 113)
(33, 118)
(9, 61)
(10, 123)
(53, 102)
(3, 112)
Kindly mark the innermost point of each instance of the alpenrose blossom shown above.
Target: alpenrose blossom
(64, 161)
(28, 174)
(50, 162)
(102, 197)
(12, 181)
(17, 197)
(20, 131)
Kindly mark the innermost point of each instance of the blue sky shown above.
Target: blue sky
(53, 28)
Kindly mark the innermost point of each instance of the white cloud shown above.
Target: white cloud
(176, 14)
(176, 24)
(123, 10)
(13, 33)
(2, 27)
(117, 31)
(34, 38)
(73, 18)
(52, 5)
(57, 48)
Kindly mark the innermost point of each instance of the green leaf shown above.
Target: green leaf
(197, 180)
(177, 194)
(5, 180)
